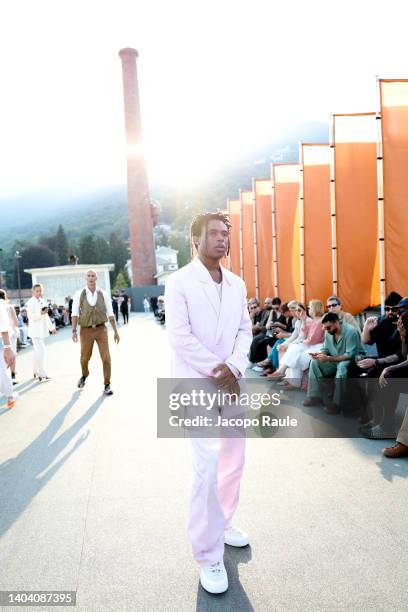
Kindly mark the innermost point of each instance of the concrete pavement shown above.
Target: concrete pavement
(92, 501)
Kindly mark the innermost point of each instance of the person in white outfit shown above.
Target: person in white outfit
(39, 327)
(297, 358)
(14, 331)
(7, 357)
(209, 331)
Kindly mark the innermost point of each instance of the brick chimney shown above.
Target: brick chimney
(140, 218)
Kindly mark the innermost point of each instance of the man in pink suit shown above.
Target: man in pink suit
(209, 330)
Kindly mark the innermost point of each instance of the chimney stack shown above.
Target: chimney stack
(140, 218)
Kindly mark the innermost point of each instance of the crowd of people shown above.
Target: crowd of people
(155, 304)
(23, 326)
(342, 368)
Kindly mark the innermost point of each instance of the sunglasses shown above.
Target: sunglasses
(391, 309)
(253, 307)
(332, 305)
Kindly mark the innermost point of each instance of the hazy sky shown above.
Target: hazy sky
(215, 77)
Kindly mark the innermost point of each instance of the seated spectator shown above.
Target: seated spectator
(257, 315)
(297, 358)
(392, 382)
(161, 313)
(260, 329)
(382, 332)
(334, 305)
(288, 315)
(22, 328)
(299, 334)
(342, 342)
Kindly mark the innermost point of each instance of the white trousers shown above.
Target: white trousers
(24, 334)
(297, 359)
(6, 386)
(39, 357)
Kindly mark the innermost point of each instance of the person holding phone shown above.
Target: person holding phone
(391, 383)
(39, 328)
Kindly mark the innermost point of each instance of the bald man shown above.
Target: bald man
(91, 308)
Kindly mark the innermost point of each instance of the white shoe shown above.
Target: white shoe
(236, 537)
(257, 369)
(214, 577)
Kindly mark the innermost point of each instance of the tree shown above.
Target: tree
(161, 236)
(34, 256)
(61, 247)
(88, 250)
(103, 250)
(121, 282)
(181, 243)
(119, 251)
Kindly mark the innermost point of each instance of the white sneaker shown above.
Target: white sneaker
(214, 577)
(257, 369)
(236, 537)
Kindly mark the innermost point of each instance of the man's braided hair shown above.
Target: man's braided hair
(203, 219)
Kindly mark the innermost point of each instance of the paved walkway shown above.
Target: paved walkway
(92, 501)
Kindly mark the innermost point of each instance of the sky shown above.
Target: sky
(216, 79)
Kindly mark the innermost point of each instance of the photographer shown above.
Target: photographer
(39, 327)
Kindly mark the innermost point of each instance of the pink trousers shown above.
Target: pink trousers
(218, 464)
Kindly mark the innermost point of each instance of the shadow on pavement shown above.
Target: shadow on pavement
(235, 598)
(20, 479)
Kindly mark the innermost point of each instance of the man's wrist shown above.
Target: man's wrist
(7, 346)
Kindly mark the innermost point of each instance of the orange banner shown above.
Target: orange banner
(234, 211)
(263, 215)
(394, 123)
(286, 186)
(356, 221)
(248, 259)
(317, 222)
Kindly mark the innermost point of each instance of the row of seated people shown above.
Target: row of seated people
(304, 347)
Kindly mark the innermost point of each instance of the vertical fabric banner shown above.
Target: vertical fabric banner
(286, 185)
(263, 212)
(234, 211)
(317, 246)
(394, 128)
(356, 210)
(248, 259)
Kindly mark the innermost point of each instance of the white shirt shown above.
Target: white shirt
(39, 325)
(4, 317)
(219, 289)
(91, 298)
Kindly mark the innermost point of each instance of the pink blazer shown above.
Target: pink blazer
(200, 338)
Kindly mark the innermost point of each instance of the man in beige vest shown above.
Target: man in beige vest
(92, 307)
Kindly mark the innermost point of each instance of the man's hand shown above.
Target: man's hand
(223, 376)
(9, 357)
(53, 331)
(74, 335)
(116, 337)
(366, 363)
(370, 323)
(402, 330)
(382, 381)
(322, 357)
